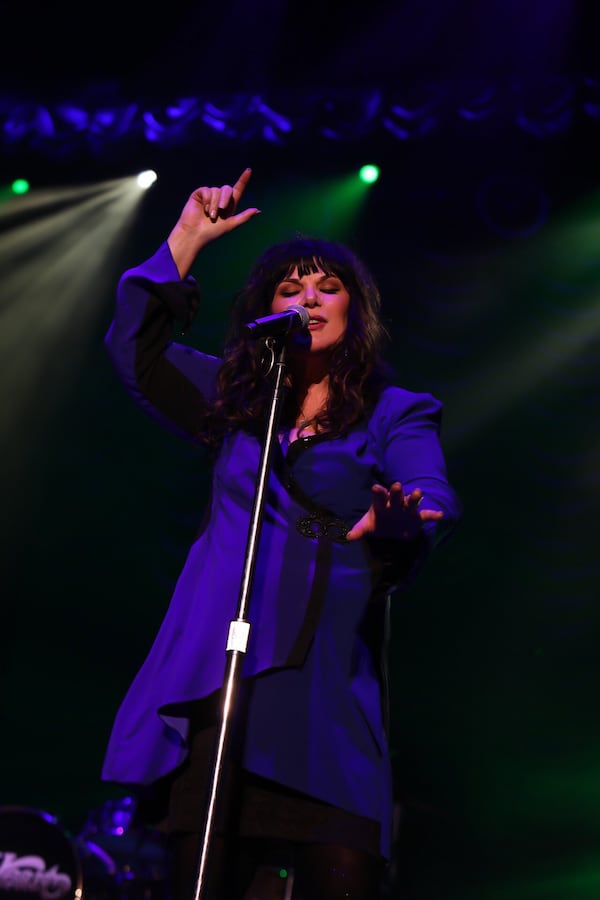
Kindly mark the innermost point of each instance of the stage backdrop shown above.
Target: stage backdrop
(487, 252)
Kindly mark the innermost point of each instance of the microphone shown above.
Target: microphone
(280, 324)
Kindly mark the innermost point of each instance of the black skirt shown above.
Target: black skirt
(254, 807)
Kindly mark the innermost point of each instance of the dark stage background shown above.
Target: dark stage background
(484, 233)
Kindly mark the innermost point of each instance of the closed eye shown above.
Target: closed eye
(331, 286)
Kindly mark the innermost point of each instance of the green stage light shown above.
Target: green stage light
(369, 174)
(19, 186)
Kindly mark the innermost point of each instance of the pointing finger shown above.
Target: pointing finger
(240, 185)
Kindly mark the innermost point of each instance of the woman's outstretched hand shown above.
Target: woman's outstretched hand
(393, 514)
(209, 213)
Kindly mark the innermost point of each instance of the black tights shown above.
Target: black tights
(251, 871)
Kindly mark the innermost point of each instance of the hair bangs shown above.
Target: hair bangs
(310, 255)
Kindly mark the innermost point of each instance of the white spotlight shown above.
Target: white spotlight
(146, 179)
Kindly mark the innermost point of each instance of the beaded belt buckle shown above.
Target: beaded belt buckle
(317, 525)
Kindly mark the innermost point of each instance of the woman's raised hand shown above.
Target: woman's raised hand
(209, 213)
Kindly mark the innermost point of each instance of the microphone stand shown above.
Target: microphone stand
(239, 628)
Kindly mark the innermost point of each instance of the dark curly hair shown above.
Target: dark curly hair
(357, 370)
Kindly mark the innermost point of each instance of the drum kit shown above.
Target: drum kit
(110, 859)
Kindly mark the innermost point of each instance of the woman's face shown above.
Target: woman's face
(325, 298)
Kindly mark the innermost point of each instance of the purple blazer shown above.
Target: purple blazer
(316, 721)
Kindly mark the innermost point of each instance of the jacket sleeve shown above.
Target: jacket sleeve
(170, 381)
(411, 453)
